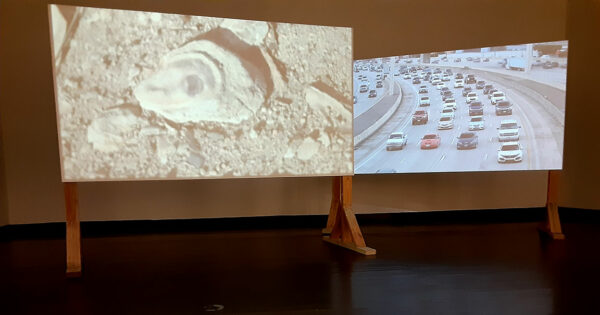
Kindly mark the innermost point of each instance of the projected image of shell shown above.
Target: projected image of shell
(210, 79)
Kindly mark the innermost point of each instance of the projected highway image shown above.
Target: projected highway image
(485, 109)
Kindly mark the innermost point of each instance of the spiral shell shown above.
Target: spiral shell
(216, 78)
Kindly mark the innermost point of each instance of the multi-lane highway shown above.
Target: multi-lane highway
(538, 108)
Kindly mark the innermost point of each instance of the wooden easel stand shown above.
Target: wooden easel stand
(552, 226)
(73, 230)
(342, 226)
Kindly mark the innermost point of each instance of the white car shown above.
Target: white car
(450, 102)
(497, 97)
(448, 111)
(508, 130)
(397, 140)
(459, 83)
(446, 78)
(472, 97)
(510, 152)
(440, 85)
(476, 123)
(446, 122)
(435, 81)
(424, 101)
(406, 76)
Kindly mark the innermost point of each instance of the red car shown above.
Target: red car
(430, 141)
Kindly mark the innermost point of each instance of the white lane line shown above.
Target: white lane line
(443, 157)
(485, 157)
(491, 138)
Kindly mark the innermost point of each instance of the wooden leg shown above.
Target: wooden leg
(342, 224)
(336, 197)
(73, 230)
(552, 226)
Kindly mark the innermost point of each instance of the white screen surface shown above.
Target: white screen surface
(144, 95)
(522, 128)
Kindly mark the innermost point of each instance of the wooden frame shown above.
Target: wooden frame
(342, 226)
(552, 226)
(73, 230)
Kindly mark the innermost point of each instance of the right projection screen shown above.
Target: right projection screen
(484, 109)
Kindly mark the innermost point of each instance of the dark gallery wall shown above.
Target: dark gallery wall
(381, 28)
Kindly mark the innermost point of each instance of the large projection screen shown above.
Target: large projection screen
(485, 109)
(149, 96)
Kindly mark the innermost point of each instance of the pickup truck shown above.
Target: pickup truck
(420, 117)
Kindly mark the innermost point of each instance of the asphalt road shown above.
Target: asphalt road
(538, 108)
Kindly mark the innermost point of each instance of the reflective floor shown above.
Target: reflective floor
(503, 268)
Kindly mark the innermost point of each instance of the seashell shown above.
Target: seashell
(216, 77)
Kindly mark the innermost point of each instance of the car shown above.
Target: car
(472, 97)
(435, 62)
(372, 93)
(406, 76)
(435, 81)
(459, 83)
(480, 85)
(446, 78)
(379, 84)
(440, 85)
(547, 65)
(444, 89)
(466, 90)
(491, 92)
(467, 140)
(424, 101)
(476, 123)
(497, 97)
(508, 130)
(487, 88)
(396, 140)
(459, 76)
(476, 109)
(510, 152)
(378, 77)
(430, 141)
(450, 102)
(447, 94)
(448, 111)
(416, 81)
(503, 108)
(437, 70)
(457, 60)
(423, 91)
(486, 59)
(420, 117)
(446, 122)
(554, 64)
(469, 58)
(364, 88)
(470, 79)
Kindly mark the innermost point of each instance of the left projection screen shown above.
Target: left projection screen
(153, 96)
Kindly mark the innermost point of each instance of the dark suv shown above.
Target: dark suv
(476, 109)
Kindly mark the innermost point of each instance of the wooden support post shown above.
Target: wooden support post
(341, 223)
(73, 230)
(552, 226)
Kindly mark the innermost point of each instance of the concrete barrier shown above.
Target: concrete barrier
(371, 120)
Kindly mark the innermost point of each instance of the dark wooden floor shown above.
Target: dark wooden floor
(503, 268)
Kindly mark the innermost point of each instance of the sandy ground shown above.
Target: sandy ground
(155, 96)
